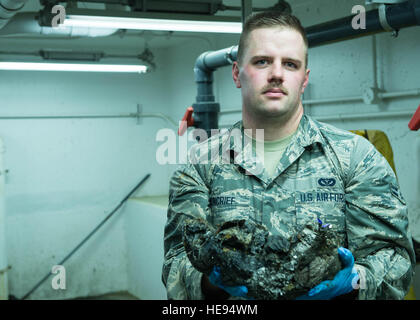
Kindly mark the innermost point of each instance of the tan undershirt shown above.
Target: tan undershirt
(273, 151)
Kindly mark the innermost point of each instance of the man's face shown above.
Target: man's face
(272, 74)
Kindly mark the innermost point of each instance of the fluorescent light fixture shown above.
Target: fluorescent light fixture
(151, 24)
(39, 66)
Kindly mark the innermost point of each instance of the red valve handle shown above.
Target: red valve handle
(187, 121)
(414, 123)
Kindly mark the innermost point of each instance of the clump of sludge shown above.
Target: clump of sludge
(270, 266)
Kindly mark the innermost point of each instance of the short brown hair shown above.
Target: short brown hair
(267, 19)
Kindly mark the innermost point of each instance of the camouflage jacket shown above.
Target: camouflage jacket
(325, 172)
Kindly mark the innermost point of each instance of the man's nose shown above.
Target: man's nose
(276, 72)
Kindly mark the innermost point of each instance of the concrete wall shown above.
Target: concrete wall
(65, 176)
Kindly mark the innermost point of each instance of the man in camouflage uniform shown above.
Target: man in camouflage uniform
(311, 170)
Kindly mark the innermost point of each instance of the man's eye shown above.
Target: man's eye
(260, 62)
(291, 65)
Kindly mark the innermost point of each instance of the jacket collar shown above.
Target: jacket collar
(234, 148)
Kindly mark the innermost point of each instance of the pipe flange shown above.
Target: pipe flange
(229, 56)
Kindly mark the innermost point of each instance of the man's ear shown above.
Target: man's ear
(305, 82)
(235, 74)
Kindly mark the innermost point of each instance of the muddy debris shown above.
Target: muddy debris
(271, 266)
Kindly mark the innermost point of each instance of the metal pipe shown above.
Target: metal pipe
(211, 60)
(363, 116)
(206, 109)
(374, 62)
(4, 291)
(381, 95)
(227, 111)
(395, 94)
(25, 22)
(157, 115)
(332, 100)
(96, 116)
(246, 10)
(397, 16)
(356, 116)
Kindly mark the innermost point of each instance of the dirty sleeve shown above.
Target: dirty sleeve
(188, 197)
(377, 226)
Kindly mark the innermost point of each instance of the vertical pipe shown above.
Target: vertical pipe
(4, 294)
(246, 9)
(378, 79)
(375, 61)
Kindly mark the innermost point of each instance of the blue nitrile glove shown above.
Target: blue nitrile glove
(344, 281)
(236, 291)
